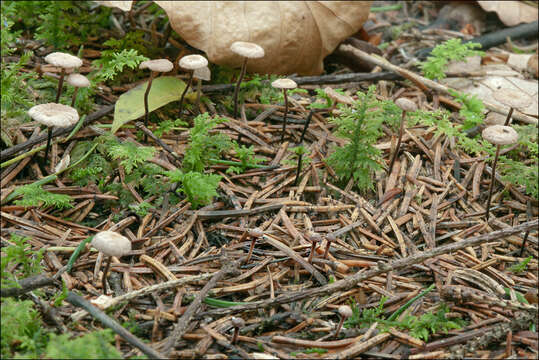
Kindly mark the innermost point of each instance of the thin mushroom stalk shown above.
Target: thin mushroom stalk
(497, 135)
(283, 131)
(105, 273)
(74, 97)
(237, 88)
(406, 106)
(185, 90)
(155, 66)
(60, 85)
(146, 110)
(49, 137)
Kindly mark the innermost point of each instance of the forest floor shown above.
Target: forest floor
(426, 271)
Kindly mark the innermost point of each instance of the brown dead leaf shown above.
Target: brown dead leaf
(296, 35)
(511, 13)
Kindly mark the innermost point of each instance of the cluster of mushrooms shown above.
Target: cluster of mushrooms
(113, 245)
(56, 114)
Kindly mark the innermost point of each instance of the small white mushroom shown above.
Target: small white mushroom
(249, 51)
(191, 63)
(237, 323)
(255, 234)
(314, 238)
(111, 244)
(64, 61)
(493, 118)
(345, 311)
(338, 98)
(155, 66)
(497, 135)
(51, 115)
(406, 105)
(201, 74)
(284, 84)
(77, 81)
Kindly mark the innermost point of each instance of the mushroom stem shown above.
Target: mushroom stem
(105, 272)
(60, 85)
(285, 114)
(492, 179)
(509, 114)
(528, 215)
(251, 248)
(199, 91)
(326, 252)
(312, 252)
(185, 90)
(236, 333)
(339, 327)
(74, 96)
(238, 84)
(146, 110)
(49, 137)
(298, 168)
(401, 130)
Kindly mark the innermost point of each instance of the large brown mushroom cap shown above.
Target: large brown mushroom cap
(193, 62)
(284, 84)
(63, 60)
(500, 135)
(406, 104)
(247, 49)
(111, 243)
(157, 65)
(512, 98)
(52, 114)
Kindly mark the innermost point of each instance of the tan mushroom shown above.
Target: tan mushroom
(512, 98)
(406, 105)
(53, 115)
(111, 244)
(155, 66)
(345, 311)
(248, 51)
(497, 135)
(285, 85)
(237, 323)
(191, 63)
(201, 74)
(63, 61)
(314, 238)
(77, 81)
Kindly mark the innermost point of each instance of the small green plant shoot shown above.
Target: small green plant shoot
(452, 49)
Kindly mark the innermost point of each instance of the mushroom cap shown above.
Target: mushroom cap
(331, 237)
(494, 118)
(78, 80)
(237, 322)
(340, 98)
(512, 98)
(256, 232)
(202, 73)
(406, 104)
(157, 65)
(52, 114)
(247, 49)
(193, 62)
(111, 243)
(284, 84)
(500, 135)
(314, 236)
(345, 311)
(63, 60)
